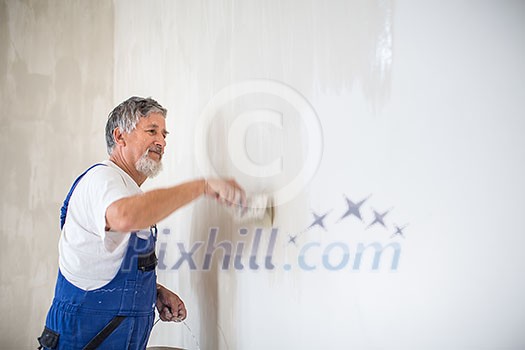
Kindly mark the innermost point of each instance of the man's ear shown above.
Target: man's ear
(118, 136)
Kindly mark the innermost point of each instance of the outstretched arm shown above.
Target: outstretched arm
(143, 210)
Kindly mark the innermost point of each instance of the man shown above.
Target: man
(106, 288)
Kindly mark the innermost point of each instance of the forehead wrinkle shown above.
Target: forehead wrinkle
(152, 125)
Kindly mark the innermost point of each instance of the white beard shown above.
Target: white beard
(147, 166)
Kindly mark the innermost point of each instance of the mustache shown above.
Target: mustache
(157, 150)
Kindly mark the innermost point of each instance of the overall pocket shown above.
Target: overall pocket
(48, 339)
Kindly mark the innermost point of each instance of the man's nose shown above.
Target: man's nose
(160, 141)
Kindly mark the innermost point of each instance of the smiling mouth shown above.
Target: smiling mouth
(156, 152)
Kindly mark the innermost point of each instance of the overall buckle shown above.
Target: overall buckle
(147, 262)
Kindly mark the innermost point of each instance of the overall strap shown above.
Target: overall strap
(98, 339)
(63, 210)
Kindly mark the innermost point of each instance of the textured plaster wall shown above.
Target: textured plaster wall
(56, 88)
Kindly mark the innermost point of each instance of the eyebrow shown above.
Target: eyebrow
(155, 126)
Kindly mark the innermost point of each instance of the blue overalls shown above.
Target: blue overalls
(77, 316)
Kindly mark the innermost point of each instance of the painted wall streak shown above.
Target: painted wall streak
(191, 51)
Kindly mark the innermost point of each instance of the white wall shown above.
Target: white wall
(419, 105)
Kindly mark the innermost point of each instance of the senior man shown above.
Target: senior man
(106, 289)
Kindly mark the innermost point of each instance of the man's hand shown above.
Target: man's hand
(227, 192)
(169, 305)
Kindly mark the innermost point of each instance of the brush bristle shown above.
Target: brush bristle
(258, 208)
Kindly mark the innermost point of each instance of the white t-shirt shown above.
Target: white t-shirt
(89, 256)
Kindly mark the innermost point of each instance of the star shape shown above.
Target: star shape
(399, 231)
(353, 208)
(318, 220)
(379, 218)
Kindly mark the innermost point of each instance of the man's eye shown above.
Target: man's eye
(151, 132)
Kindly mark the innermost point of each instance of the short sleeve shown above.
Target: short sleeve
(104, 185)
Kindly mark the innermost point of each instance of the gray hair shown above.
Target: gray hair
(127, 114)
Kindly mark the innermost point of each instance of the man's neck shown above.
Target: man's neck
(130, 169)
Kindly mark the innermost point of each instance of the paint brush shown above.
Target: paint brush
(259, 209)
